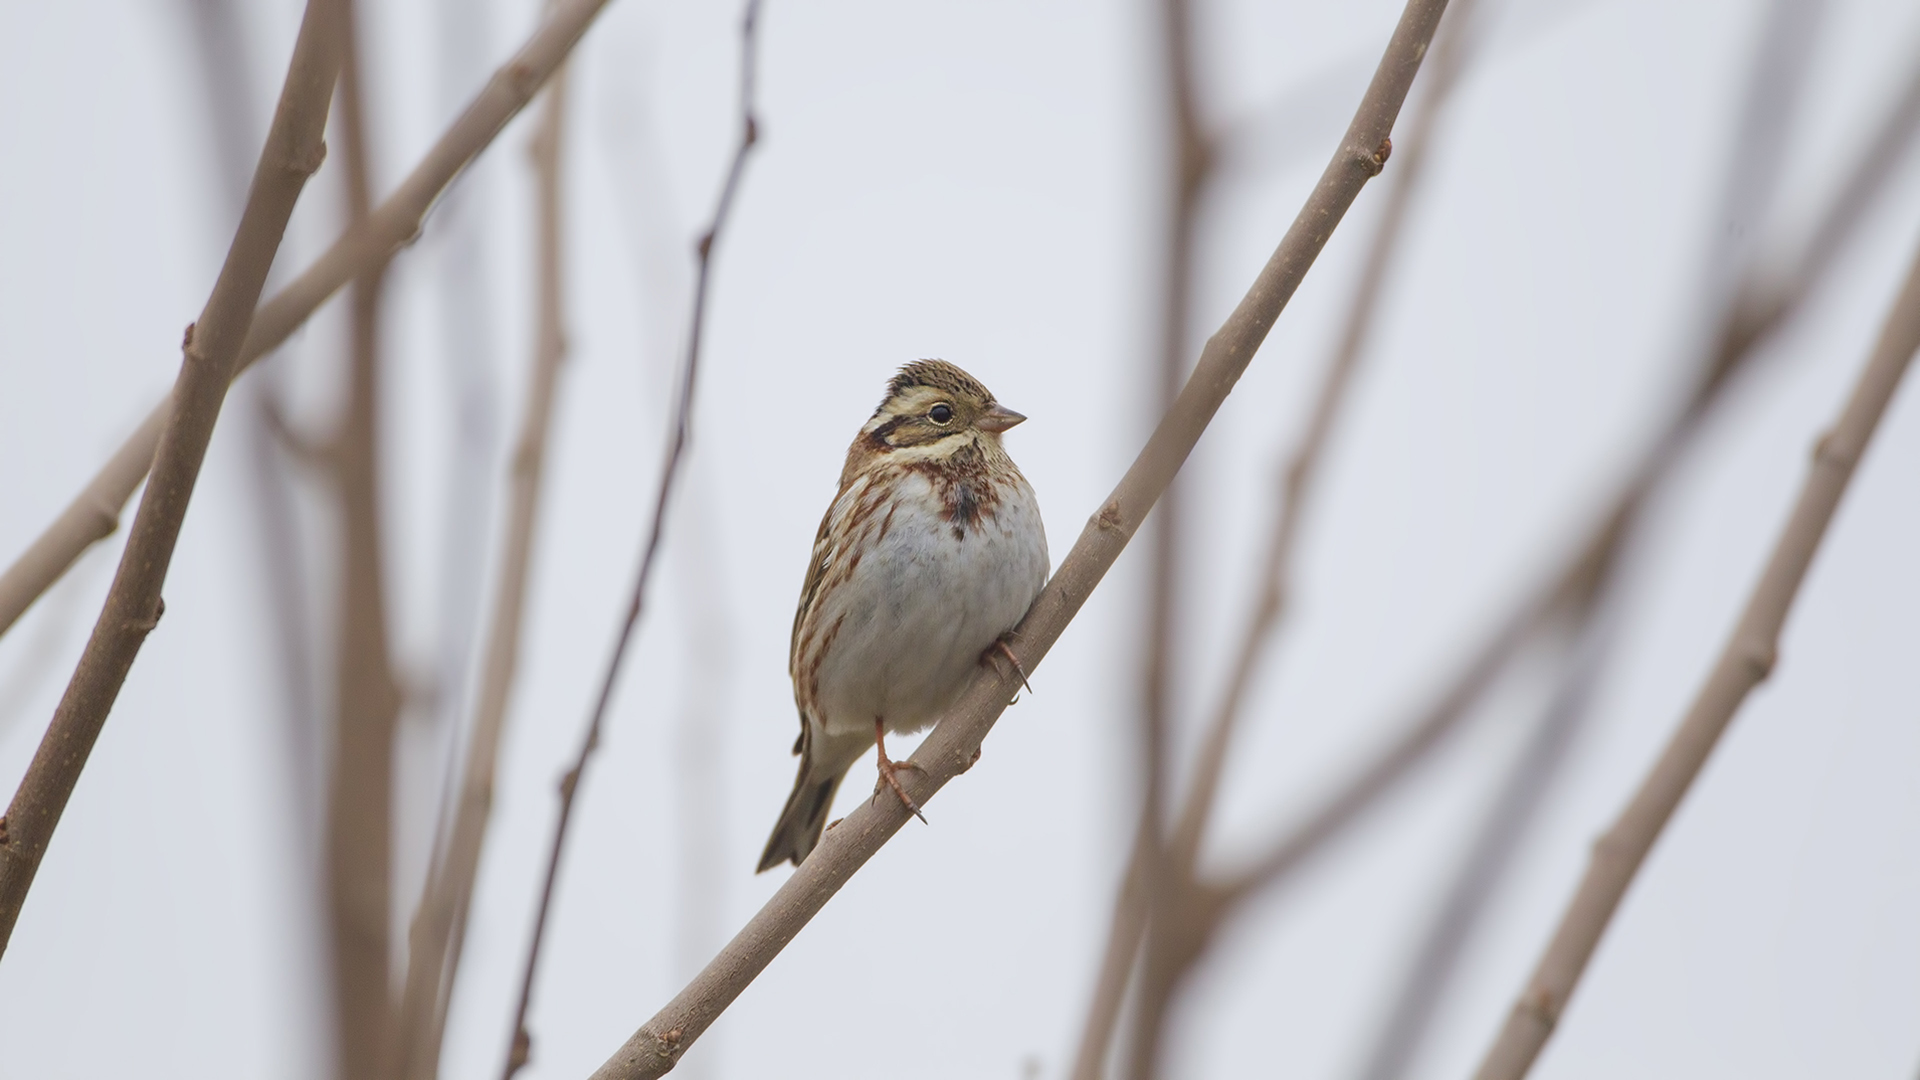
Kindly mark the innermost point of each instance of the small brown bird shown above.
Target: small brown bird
(932, 550)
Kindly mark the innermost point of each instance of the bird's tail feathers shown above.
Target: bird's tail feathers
(804, 818)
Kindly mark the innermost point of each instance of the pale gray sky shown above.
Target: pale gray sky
(976, 182)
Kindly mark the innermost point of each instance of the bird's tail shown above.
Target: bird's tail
(805, 817)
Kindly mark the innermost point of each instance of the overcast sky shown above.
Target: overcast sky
(980, 182)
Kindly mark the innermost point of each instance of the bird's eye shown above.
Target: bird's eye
(941, 413)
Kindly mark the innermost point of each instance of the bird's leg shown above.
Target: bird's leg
(1000, 648)
(889, 768)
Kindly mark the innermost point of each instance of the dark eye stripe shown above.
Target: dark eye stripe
(884, 431)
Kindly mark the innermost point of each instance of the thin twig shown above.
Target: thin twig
(293, 150)
(1192, 160)
(231, 99)
(1125, 929)
(95, 513)
(1747, 659)
(366, 697)
(92, 516)
(468, 344)
(37, 659)
(522, 1041)
(439, 925)
(949, 749)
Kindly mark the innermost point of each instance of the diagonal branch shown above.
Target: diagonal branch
(1742, 338)
(95, 513)
(1565, 598)
(949, 749)
(1130, 914)
(522, 1042)
(1747, 659)
(91, 517)
(293, 150)
(1775, 83)
(440, 923)
(1303, 467)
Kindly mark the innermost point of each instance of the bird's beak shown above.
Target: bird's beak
(998, 418)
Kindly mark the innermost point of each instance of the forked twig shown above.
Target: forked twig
(133, 607)
(1139, 884)
(949, 749)
(94, 514)
(522, 1042)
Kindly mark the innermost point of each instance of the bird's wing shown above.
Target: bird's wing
(826, 545)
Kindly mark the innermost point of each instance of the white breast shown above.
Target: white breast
(924, 602)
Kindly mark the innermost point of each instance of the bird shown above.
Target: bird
(930, 553)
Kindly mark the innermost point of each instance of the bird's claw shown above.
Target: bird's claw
(1000, 648)
(890, 779)
(889, 769)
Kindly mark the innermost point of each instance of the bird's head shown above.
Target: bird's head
(935, 405)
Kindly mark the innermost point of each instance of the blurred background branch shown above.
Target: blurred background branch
(1380, 693)
(367, 697)
(392, 225)
(293, 151)
(1180, 898)
(1748, 658)
(440, 924)
(1774, 85)
(680, 431)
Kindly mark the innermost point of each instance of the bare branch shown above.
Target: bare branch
(292, 152)
(1302, 468)
(391, 226)
(949, 749)
(464, 608)
(522, 1043)
(1583, 575)
(1193, 164)
(1527, 781)
(1567, 598)
(367, 697)
(1125, 930)
(1775, 84)
(439, 925)
(1746, 660)
(92, 516)
(1765, 303)
(1129, 920)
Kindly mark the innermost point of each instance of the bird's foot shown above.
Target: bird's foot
(890, 770)
(999, 649)
(889, 779)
